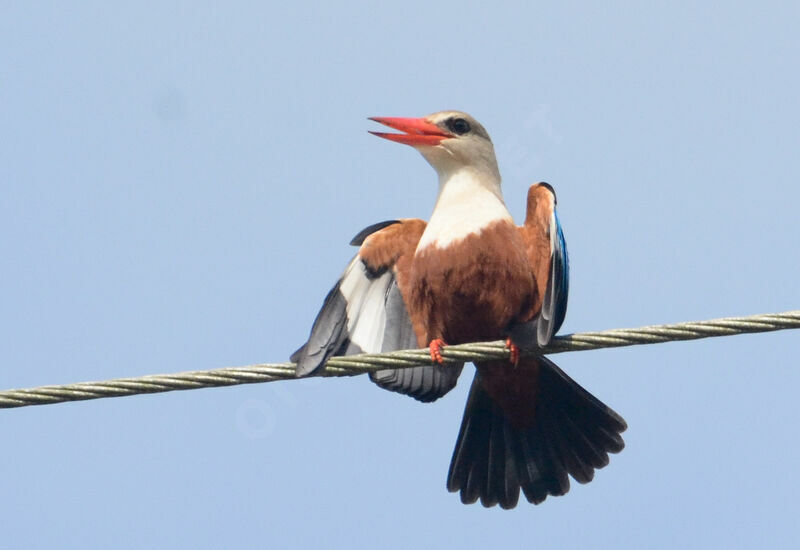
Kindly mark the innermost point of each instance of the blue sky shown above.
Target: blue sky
(179, 185)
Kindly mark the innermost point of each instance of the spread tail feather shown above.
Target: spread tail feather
(571, 432)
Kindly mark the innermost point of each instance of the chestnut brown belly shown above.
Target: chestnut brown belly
(471, 290)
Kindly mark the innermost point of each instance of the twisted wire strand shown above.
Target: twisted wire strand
(360, 364)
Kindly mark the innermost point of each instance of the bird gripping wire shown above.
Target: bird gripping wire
(360, 364)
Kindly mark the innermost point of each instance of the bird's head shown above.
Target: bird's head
(450, 141)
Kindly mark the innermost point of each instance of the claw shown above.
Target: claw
(514, 352)
(436, 346)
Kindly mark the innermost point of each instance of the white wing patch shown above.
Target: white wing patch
(365, 312)
(366, 305)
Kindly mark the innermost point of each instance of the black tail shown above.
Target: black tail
(569, 432)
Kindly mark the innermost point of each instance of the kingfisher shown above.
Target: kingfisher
(471, 274)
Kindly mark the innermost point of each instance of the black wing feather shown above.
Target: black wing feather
(330, 335)
(424, 384)
(362, 235)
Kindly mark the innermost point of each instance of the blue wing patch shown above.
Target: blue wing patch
(540, 330)
(560, 276)
(554, 304)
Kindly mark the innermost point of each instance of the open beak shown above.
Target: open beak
(418, 131)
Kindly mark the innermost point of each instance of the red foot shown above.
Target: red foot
(512, 347)
(436, 346)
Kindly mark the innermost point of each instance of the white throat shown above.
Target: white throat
(468, 201)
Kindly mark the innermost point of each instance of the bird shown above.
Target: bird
(471, 274)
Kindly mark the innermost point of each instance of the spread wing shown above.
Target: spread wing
(547, 254)
(366, 313)
(554, 303)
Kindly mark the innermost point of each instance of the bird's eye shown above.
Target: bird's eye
(458, 126)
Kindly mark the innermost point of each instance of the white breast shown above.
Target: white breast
(466, 205)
